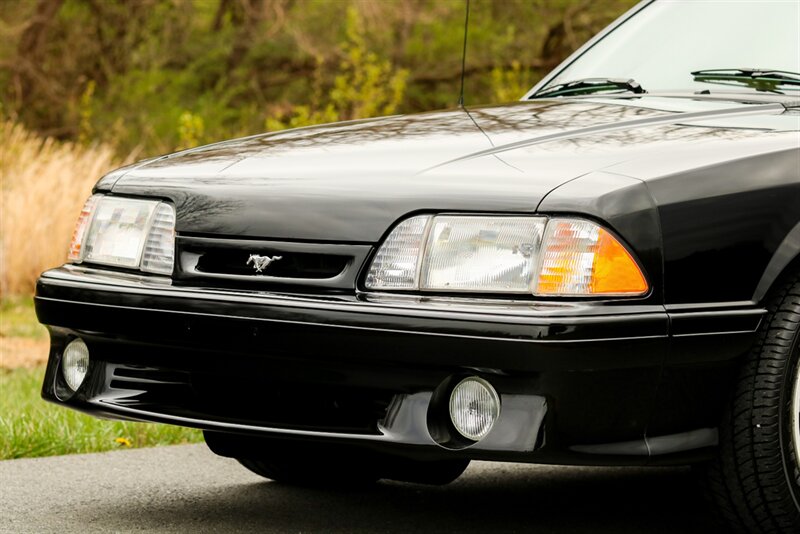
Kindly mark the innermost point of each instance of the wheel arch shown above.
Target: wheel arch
(785, 261)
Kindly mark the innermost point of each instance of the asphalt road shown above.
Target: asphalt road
(188, 489)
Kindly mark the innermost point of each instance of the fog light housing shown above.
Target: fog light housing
(474, 407)
(75, 363)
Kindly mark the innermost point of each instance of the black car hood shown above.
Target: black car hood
(349, 182)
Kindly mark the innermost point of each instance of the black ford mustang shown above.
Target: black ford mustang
(606, 272)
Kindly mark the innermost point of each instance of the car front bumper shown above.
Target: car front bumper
(579, 382)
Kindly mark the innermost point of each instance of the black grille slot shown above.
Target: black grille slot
(243, 263)
(148, 384)
(292, 405)
(150, 375)
(251, 398)
(289, 265)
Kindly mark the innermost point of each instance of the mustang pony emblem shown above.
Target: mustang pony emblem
(261, 262)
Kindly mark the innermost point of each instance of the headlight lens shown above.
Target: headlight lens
(125, 232)
(495, 255)
(504, 254)
(118, 231)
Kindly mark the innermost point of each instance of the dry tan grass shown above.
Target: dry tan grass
(18, 352)
(43, 184)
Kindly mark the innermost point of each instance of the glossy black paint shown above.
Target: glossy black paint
(689, 171)
(703, 189)
(551, 358)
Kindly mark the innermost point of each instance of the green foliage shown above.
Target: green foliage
(190, 130)
(85, 132)
(30, 427)
(368, 86)
(302, 115)
(154, 75)
(509, 84)
(296, 116)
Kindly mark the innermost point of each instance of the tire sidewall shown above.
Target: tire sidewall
(791, 463)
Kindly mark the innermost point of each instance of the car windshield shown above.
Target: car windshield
(664, 43)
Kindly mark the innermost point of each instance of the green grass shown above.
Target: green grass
(31, 427)
(18, 319)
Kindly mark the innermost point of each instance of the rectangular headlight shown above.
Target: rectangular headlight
(124, 232)
(495, 254)
(118, 230)
(491, 254)
(505, 254)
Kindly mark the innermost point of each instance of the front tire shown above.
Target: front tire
(755, 479)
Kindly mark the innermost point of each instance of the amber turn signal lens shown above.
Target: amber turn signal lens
(614, 270)
(581, 258)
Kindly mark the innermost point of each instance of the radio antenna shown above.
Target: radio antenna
(464, 57)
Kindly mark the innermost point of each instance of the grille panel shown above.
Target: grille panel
(290, 265)
(226, 263)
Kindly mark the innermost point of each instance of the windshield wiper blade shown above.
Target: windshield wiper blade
(589, 86)
(759, 79)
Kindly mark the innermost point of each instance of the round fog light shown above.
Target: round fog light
(75, 363)
(474, 407)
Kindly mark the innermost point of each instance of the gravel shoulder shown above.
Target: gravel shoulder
(187, 488)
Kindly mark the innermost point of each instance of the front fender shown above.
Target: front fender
(623, 204)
